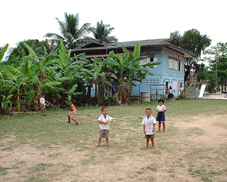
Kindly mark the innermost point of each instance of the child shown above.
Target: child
(42, 105)
(104, 126)
(161, 109)
(170, 96)
(72, 113)
(149, 127)
(181, 91)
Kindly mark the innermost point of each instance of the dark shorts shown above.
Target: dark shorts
(161, 117)
(170, 95)
(150, 136)
(103, 133)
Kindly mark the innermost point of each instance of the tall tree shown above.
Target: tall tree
(217, 57)
(201, 72)
(191, 41)
(18, 52)
(71, 34)
(102, 33)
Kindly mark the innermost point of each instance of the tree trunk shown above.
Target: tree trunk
(18, 100)
(119, 92)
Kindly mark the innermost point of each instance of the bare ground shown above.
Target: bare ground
(192, 149)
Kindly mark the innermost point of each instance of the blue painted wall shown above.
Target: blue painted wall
(163, 74)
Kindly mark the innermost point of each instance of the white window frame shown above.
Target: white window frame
(144, 61)
(174, 64)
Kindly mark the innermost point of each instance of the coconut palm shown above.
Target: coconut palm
(102, 33)
(71, 34)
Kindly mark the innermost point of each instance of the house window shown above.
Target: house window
(145, 61)
(155, 60)
(148, 60)
(174, 64)
(150, 81)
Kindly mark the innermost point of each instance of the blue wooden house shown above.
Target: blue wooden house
(169, 73)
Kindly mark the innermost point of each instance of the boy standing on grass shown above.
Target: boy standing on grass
(149, 127)
(104, 126)
(72, 113)
(42, 105)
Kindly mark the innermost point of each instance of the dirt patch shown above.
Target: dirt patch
(191, 149)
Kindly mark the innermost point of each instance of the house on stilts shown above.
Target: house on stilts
(169, 73)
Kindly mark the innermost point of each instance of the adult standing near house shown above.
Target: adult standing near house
(181, 91)
(170, 95)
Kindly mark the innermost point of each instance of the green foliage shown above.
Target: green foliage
(63, 78)
(128, 70)
(22, 49)
(201, 72)
(193, 42)
(221, 65)
(2, 53)
(71, 34)
(102, 33)
(6, 100)
(63, 53)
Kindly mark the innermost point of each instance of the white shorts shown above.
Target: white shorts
(71, 114)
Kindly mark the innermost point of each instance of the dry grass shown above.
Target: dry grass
(193, 148)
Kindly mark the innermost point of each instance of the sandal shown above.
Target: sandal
(97, 145)
(108, 145)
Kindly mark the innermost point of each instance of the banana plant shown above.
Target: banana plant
(17, 81)
(127, 70)
(39, 69)
(29, 97)
(72, 92)
(2, 53)
(6, 101)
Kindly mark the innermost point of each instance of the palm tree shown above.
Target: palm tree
(102, 31)
(71, 34)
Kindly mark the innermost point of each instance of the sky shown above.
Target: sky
(133, 20)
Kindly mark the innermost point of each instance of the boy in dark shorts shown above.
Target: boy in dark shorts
(104, 126)
(149, 127)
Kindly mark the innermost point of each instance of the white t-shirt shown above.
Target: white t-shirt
(42, 100)
(104, 119)
(170, 91)
(182, 88)
(148, 122)
(161, 108)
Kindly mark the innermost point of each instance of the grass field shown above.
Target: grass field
(46, 148)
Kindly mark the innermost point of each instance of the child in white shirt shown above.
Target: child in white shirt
(149, 127)
(42, 105)
(104, 126)
(161, 109)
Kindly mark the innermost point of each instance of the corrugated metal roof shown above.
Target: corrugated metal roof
(143, 43)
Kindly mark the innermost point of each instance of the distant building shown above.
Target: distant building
(169, 73)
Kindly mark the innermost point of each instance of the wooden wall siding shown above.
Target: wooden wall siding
(150, 50)
(172, 53)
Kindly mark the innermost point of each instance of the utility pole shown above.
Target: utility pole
(217, 59)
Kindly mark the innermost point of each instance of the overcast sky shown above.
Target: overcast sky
(133, 20)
